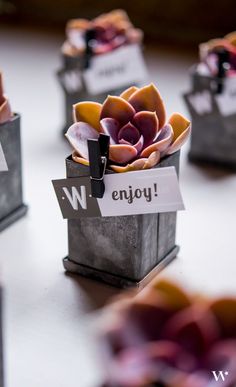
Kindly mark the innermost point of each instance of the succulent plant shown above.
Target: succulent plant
(210, 50)
(5, 110)
(136, 124)
(110, 30)
(165, 337)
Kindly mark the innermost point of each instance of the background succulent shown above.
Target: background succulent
(209, 53)
(5, 110)
(165, 337)
(110, 30)
(136, 124)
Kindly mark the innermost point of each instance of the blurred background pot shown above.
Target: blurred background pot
(74, 89)
(213, 138)
(124, 250)
(11, 199)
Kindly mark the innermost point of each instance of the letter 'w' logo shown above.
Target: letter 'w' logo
(220, 375)
(201, 102)
(76, 198)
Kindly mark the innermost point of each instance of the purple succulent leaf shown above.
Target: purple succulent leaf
(118, 108)
(138, 145)
(148, 125)
(78, 135)
(164, 139)
(129, 133)
(110, 127)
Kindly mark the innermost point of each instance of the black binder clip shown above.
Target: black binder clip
(98, 158)
(223, 66)
(90, 37)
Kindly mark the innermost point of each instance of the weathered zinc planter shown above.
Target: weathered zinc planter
(100, 57)
(213, 138)
(212, 103)
(123, 250)
(121, 227)
(11, 199)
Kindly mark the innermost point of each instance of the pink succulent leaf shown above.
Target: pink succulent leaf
(181, 128)
(110, 127)
(148, 125)
(177, 144)
(117, 108)
(134, 166)
(163, 141)
(152, 160)
(122, 153)
(138, 164)
(138, 145)
(118, 41)
(129, 133)
(194, 328)
(222, 355)
(148, 98)
(78, 135)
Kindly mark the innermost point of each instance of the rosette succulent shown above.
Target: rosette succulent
(110, 30)
(136, 124)
(5, 110)
(168, 338)
(209, 53)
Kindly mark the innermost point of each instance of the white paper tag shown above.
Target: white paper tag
(119, 68)
(141, 192)
(3, 163)
(227, 100)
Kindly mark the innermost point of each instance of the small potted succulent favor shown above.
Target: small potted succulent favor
(11, 201)
(114, 43)
(212, 103)
(124, 250)
(167, 337)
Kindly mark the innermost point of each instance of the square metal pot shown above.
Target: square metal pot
(213, 138)
(123, 250)
(11, 199)
(71, 98)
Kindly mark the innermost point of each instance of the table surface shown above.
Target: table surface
(48, 315)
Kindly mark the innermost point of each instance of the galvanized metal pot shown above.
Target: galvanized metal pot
(213, 139)
(11, 198)
(124, 250)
